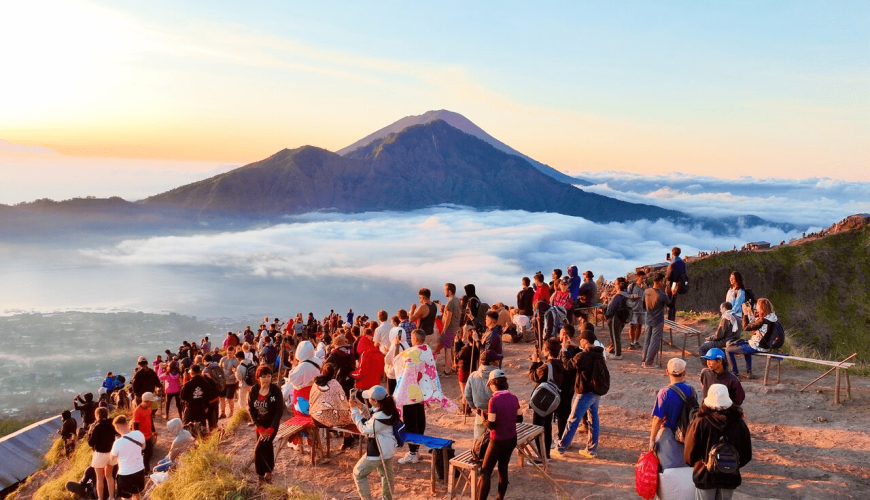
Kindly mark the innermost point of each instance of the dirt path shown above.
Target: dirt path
(804, 446)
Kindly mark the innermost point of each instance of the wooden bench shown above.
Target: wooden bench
(591, 309)
(287, 432)
(443, 445)
(685, 330)
(468, 470)
(837, 366)
(527, 435)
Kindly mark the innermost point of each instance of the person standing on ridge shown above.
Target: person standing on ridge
(675, 278)
(655, 301)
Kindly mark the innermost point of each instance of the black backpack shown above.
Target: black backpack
(687, 414)
(623, 312)
(250, 373)
(723, 457)
(683, 284)
(778, 337)
(546, 396)
(478, 448)
(600, 379)
(750, 296)
(216, 375)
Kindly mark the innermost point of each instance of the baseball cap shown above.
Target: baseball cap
(714, 353)
(142, 359)
(148, 396)
(676, 366)
(496, 374)
(377, 392)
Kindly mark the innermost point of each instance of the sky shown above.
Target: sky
(185, 89)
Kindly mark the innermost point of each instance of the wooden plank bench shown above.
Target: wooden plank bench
(445, 445)
(835, 365)
(593, 309)
(469, 472)
(687, 331)
(527, 435)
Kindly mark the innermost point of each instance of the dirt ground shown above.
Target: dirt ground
(804, 446)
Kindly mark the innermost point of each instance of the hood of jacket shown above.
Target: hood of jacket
(396, 330)
(364, 344)
(305, 351)
(771, 317)
(470, 290)
(174, 426)
(572, 271)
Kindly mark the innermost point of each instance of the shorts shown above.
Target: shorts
(131, 484)
(463, 375)
(433, 340)
(230, 391)
(447, 340)
(101, 460)
(638, 318)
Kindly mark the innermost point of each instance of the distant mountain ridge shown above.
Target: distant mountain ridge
(418, 167)
(462, 123)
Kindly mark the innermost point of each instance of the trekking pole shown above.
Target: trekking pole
(384, 462)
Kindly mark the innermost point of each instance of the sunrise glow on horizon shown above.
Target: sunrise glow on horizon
(779, 89)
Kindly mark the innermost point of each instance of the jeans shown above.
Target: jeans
(652, 342)
(579, 405)
(744, 349)
(498, 452)
(163, 465)
(361, 471)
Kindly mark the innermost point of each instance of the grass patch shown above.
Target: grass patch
(239, 417)
(294, 492)
(8, 426)
(55, 453)
(204, 473)
(55, 489)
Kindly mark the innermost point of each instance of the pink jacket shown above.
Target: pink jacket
(172, 380)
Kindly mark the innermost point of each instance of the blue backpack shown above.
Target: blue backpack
(399, 431)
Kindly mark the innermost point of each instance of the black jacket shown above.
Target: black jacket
(267, 413)
(197, 392)
(145, 380)
(583, 364)
(538, 372)
(101, 436)
(569, 376)
(87, 409)
(704, 432)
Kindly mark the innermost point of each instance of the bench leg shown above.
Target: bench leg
(450, 484)
(848, 386)
(432, 472)
(475, 474)
(445, 459)
(778, 369)
(837, 389)
(543, 456)
(766, 370)
(683, 352)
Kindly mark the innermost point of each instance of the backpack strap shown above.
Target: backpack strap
(312, 362)
(680, 393)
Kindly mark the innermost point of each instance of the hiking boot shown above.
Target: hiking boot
(410, 458)
(588, 454)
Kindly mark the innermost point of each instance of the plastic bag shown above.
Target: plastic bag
(646, 475)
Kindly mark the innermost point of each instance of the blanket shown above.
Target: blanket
(417, 379)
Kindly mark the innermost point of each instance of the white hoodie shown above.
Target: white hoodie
(394, 351)
(304, 373)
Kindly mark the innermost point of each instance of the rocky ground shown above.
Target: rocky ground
(804, 446)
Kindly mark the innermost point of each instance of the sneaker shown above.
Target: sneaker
(587, 454)
(617, 357)
(410, 458)
(557, 453)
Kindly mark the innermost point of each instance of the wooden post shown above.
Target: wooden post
(848, 386)
(766, 369)
(837, 389)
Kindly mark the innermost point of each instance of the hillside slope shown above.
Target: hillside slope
(819, 289)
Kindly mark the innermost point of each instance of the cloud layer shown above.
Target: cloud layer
(818, 202)
(425, 248)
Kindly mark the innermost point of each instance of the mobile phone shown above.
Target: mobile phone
(135, 426)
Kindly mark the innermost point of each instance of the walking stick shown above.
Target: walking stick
(383, 462)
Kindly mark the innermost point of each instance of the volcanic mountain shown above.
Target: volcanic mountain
(418, 167)
(464, 124)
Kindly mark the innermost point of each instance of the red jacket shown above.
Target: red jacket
(371, 364)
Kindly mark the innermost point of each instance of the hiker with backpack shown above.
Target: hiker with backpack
(380, 450)
(503, 413)
(144, 379)
(229, 364)
(717, 446)
(617, 315)
(547, 374)
(196, 394)
(767, 334)
(215, 374)
(635, 293)
(592, 382)
(671, 416)
(727, 331)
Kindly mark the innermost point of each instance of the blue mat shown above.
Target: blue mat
(428, 441)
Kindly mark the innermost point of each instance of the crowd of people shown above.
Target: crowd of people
(374, 373)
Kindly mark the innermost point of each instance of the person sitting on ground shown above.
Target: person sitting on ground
(127, 449)
(371, 365)
(266, 406)
(122, 399)
(540, 371)
(727, 331)
(101, 437)
(503, 413)
(763, 326)
(477, 392)
(182, 441)
(717, 418)
(381, 449)
(666, 414)
(68, 432)
(717, 373)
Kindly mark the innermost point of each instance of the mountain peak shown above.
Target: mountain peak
(462, 123)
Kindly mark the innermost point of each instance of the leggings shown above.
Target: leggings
(414, 416)
(264, 456)
(499, 451)
(169, 397)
